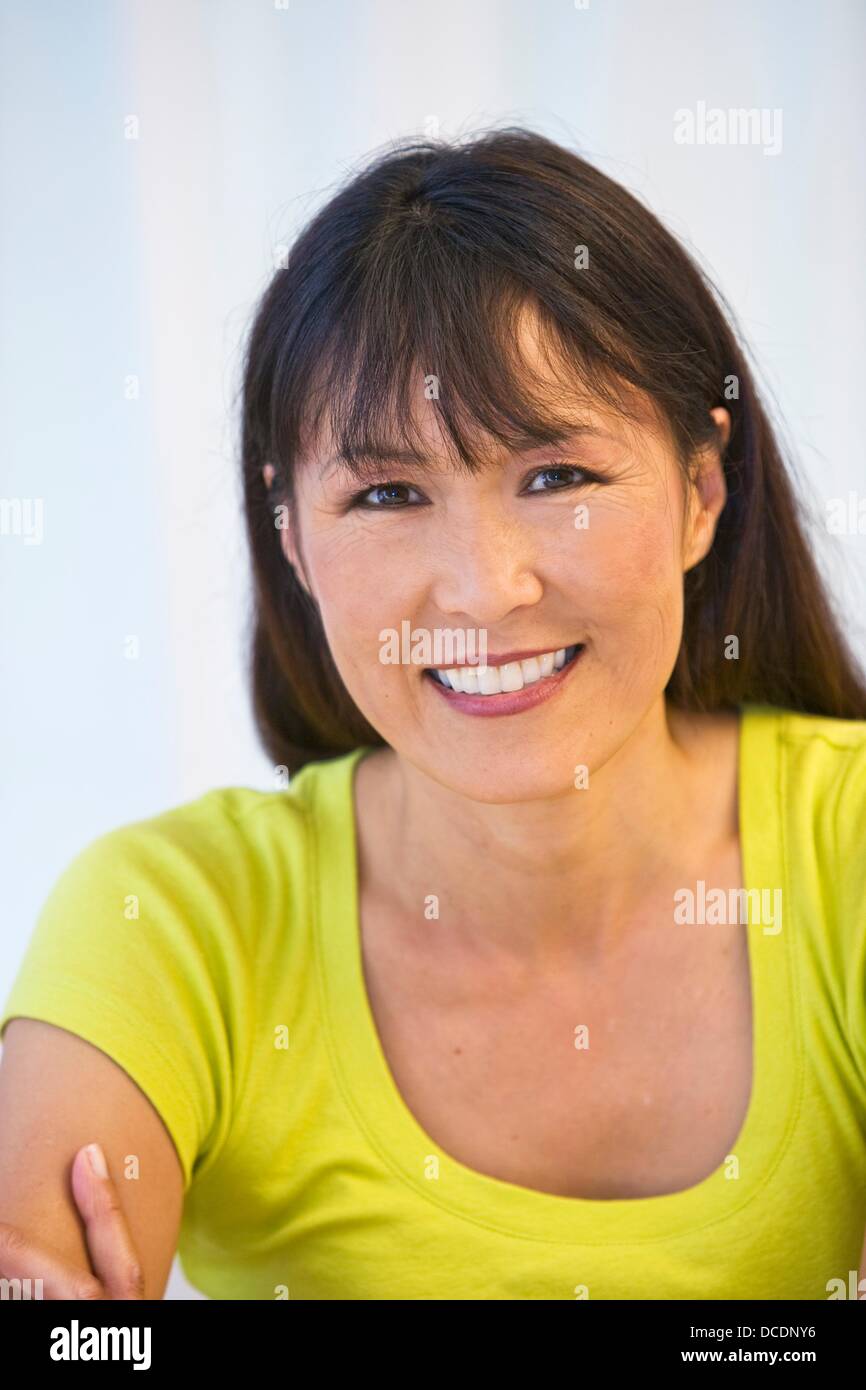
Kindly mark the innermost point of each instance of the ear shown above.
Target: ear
(283, 521)
(707, 494)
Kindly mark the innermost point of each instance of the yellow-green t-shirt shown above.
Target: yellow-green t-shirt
(213, 952)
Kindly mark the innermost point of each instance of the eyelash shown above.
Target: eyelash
(357, 498)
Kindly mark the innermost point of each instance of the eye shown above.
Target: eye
(387, 496)
(582, 476)
(388, 503)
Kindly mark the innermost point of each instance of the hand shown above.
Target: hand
(118, 1271)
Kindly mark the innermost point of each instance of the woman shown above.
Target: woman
(544, 975)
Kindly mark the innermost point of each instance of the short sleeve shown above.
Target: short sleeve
(137, 950)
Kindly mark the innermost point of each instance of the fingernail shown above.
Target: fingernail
(97, 1162)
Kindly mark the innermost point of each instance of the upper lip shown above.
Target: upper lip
(502, 658)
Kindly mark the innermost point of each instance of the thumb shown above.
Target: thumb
(112, 1253)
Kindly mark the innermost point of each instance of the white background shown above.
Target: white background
(144, 257)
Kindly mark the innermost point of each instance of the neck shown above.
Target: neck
(537, 878)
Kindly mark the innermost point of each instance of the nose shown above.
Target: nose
(486, 569)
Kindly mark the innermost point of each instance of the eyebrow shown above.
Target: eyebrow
(372, 454)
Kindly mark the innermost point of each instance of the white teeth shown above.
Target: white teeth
(514, 675)
(511, 676)
(531, 670)
(488, 680)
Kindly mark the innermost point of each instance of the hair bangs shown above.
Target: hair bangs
(402, 344)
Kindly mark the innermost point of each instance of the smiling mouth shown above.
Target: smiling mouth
(511, 678)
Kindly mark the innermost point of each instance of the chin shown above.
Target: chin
(502, 779)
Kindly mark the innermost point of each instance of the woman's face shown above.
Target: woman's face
(582, 543)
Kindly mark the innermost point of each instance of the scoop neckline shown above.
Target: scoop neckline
(371, 1092)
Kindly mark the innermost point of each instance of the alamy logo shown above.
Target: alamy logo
(20, 1289)
(76, 1343)
(22, 516)
(439, 646)
(717, 906)
(737, 126)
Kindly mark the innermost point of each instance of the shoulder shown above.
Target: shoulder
(819, 803)
(205, 824)
(188, 895)
(156, 942)
(206, 896)
(833, 735)
(824, 786)
(817, 754)
(218, 842)
(227, 872)
(809, 777)
(820, 799)
(825, 760)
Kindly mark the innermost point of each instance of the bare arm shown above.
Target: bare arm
(57, 1093)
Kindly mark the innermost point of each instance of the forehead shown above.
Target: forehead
(569, 415)
(592, 436)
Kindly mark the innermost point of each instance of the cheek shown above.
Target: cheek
(360, 591)
(626, 575)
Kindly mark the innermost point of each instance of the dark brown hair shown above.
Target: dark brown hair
(421, 262)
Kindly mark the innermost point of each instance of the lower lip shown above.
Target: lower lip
(510, 701)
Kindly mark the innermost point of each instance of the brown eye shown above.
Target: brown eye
(565, 476)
